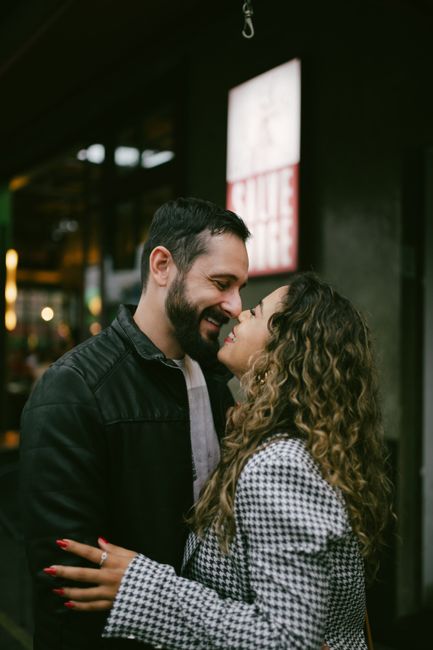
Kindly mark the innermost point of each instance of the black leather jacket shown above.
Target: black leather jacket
(105, 450)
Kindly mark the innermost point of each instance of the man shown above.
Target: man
(120, 434)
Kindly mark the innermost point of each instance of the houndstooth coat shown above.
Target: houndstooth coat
(293, 579)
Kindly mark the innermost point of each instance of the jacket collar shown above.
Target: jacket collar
(147, 350)
(141, 343)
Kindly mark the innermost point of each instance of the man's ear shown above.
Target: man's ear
(160, 265)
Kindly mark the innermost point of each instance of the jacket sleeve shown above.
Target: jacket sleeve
(62, 475)
(282, 516)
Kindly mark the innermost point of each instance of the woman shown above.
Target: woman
(295, 509)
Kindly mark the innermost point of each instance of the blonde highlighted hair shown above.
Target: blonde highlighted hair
(315, 379)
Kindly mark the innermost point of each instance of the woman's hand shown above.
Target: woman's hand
(113, 562)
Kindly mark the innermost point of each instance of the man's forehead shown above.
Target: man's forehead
(220, 241)
(226, 255)
(228, 266)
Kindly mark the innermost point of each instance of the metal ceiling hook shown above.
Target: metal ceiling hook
(248, 30)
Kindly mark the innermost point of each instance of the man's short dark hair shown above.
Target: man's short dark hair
(181, 226)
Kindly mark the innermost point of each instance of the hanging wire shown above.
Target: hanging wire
(248, 30)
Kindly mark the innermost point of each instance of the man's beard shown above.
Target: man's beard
(186, 322)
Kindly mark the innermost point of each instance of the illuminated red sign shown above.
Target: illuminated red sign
(262, 165)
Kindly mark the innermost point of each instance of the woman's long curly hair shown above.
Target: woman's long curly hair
(315, 379)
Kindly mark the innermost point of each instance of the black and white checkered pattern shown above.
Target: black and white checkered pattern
(293, 579)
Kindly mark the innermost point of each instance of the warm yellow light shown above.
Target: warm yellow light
(10, 319)
(11, 259)
(11, 289)
(47, 314)
(11, 292)
(18, 182)
(95, 328)
(95, 305)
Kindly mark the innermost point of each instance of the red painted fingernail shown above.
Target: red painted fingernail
(103, 540)
(69, 604)
(51, 571)
(59, 592)
(62, 543)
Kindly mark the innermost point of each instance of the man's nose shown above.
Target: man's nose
(232, 304)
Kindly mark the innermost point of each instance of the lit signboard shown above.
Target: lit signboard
(263, 152)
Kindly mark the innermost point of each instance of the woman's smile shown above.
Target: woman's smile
(231, 338)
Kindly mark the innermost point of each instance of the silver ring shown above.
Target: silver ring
(103, 558)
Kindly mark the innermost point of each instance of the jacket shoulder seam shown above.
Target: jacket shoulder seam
(32, 407)
(111, 370)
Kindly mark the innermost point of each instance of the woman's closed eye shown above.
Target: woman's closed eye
(252, 312)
